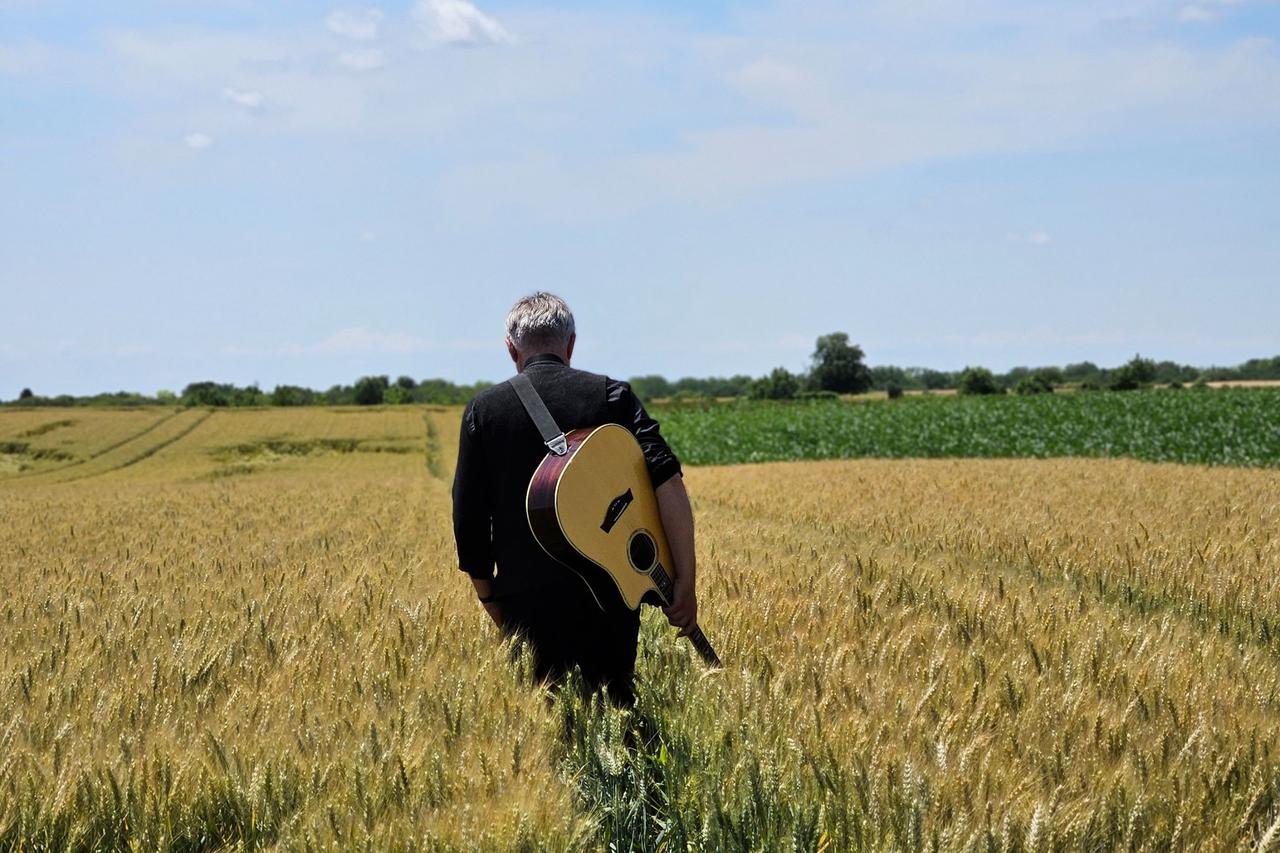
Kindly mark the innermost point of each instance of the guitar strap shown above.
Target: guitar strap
(552, 435)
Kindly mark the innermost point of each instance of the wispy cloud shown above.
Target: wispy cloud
(362, 339)
(797, 96)
(197, 140)
(458, 22)
(1034, 238)
(248, 98)
(360, 24)
(1197, 15)
(368, 59)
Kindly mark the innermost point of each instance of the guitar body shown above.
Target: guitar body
(594, 510)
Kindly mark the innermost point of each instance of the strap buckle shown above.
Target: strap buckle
(558, 445)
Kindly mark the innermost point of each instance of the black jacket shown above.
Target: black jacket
(498, 450)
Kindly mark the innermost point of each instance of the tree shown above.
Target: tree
(406, 382)
(977, 381)
(26, 394)
(1134, 374)
(781, 384)
(885, 376)
(838, 365)
(292, 395)
(250, 395)
(1082, 372)
(207, 394)
(1035, 383)
(369, 390)
(650, 388)
(396, 395)
(933, 380)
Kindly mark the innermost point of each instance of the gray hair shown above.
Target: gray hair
(540, 320)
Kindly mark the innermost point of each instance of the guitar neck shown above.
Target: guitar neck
(667, 590)
(703, 646)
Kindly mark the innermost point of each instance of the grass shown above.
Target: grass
(1220, 427)
(984, 655)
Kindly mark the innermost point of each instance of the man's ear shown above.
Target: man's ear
(568, 353)
(511, 351)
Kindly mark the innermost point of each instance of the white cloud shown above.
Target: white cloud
(609, 116)
(363, 60)
(360, 24)
(1197, 15)
(458, 22)
(198, 140)
(247, 98)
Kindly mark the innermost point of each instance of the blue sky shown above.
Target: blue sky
(305, 193)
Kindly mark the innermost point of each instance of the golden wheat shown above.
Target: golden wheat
(245, 629)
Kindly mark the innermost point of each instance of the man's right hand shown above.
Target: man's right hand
(677, 520)
(683, 612)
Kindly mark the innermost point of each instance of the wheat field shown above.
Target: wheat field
(244, 630)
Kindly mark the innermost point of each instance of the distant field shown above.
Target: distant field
(1245, 383)
(1220, 427)
(34, 440)
(242, 630)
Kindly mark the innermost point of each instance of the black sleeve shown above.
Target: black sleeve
(625, 408)
(472, 520)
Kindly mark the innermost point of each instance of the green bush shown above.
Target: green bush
(397, 395)
(1137, 373)
(292, 395)
(978, 381)
(208, 394)
(780, 384)
(1036, 383)
(369, 390)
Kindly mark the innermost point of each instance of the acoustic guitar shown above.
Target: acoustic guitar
(593, 508)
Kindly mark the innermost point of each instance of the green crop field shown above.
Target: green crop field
(1223, 427)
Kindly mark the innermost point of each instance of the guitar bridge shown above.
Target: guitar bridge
(617, 507)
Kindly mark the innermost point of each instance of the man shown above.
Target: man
(531, 594)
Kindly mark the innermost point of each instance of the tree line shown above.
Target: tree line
(836, 367)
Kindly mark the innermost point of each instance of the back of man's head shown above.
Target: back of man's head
(540, 322)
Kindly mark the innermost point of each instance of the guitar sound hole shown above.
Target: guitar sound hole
(643, 551)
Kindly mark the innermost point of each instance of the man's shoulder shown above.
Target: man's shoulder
(501, 396)
(489, 400)
(488, 395)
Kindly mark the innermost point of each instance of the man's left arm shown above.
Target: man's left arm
(471, 515)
